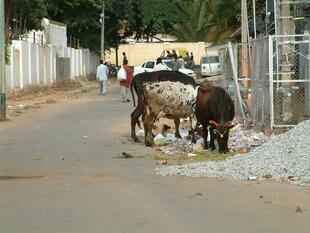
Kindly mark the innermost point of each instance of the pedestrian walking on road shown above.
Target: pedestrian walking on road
(102, 77)
(125, 58)
(126, 83)
(191, 63)
(160, 65)
(175, 64)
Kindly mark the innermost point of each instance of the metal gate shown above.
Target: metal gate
(289, 79)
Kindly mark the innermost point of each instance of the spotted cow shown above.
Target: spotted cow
(167, 99)
(157, 76)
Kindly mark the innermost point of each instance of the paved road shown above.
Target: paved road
(67, 179)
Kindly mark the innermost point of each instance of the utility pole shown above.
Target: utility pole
(244, 39)
(2, 65)
(254, 18)
(102, 55)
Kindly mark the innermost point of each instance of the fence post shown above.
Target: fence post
(2, 65)
(235, 74)
(307, 102)
(270, 57)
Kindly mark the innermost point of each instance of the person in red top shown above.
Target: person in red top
(126, 83)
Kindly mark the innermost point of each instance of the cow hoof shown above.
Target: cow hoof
(135, 138)
(223, 151)
(148, 144)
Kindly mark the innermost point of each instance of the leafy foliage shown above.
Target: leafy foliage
(81, 18)
(189, 20)
(194, 25)
(212, 20)
(151, 17)
(23, 15)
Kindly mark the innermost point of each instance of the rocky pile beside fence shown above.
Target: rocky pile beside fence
(285, 157)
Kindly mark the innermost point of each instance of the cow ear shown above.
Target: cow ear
(203, 89)
(213, 123)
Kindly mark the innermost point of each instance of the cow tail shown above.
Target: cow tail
(133, 96)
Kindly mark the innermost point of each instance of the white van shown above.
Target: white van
(210, 65)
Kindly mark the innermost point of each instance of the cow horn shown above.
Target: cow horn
(229, 124)
(213, 123)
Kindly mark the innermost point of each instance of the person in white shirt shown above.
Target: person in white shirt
(102, 77)
(159, 65)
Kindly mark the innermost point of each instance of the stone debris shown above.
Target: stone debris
(284, 157)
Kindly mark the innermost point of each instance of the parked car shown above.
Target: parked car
(149, 65)
(210, 65)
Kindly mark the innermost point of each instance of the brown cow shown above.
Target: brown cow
(215, 109)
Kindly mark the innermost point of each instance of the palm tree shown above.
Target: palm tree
(208, 20)
(222, 19)
(194, 26)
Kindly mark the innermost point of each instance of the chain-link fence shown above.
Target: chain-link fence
(236, 85)
(260, 85)
(290, 78)
(269, 80)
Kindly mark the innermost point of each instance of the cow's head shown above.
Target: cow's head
(221, 132)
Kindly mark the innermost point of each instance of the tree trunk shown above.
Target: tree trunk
(7, 13)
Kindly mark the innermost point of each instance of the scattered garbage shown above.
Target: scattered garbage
(162, 162)
(252, 178)
(283, 157)
(241, 141)
(184, 132)
(267, 176)
(191, 155)
(170, 138)
(140, 133)
(160, 140)
(126, 155)
(198, 147)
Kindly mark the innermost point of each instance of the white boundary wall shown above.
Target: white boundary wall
(34, 64)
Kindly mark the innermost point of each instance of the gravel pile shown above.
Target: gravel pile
(283, 157)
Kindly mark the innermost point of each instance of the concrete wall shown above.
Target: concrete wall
(34, 64)
(139, 52)
(55, 32)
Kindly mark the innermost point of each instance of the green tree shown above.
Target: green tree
(23, 15)
(194, 24)
(82, 19)
(152, 17)
(223, 19)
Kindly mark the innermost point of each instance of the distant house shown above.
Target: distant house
(53, 32)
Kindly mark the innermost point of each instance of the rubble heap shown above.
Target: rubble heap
(285, 157)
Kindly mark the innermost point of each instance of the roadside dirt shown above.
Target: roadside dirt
(31, 98)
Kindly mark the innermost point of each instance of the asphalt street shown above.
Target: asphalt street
(60, 172)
